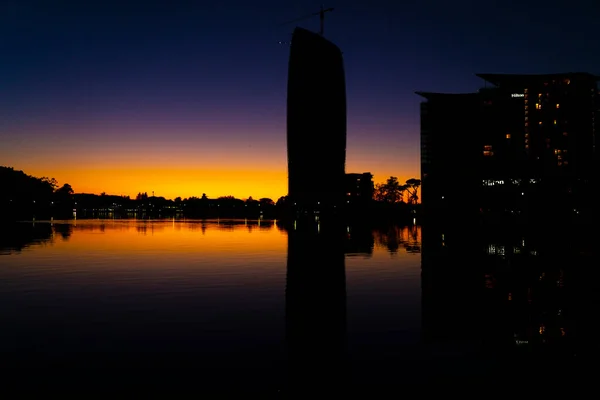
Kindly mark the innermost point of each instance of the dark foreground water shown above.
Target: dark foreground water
(249, 306)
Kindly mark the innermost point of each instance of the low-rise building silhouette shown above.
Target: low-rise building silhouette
(359, 188)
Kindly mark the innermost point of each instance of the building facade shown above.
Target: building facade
(359, 188)
(316, 121)
(525, 145)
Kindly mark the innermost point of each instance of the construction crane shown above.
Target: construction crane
(320, 13)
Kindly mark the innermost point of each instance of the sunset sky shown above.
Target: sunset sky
(188, 97)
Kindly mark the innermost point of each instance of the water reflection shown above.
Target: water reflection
(505, 295)
(325, 303)
(316, 305)
(394, 237)
(14, 238)
(64, 230)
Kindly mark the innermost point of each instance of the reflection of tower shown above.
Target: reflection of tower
(316, 120)
(315, 306)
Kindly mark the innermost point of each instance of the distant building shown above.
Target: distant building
(448, 121)
(359, 187)
(316, 121)
(528, 143)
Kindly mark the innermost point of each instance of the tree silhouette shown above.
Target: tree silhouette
(141, 196)
(50, 181)
(266, 201)
(412, 185)
(282, 201)
(390, 192)
(65, 190)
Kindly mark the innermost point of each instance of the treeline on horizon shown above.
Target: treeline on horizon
(26, 197)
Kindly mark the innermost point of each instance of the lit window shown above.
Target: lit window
(508, 135)
(557, 105)
(525, 90)
(487, 151)
(539, 123)
(567, 81)
(554, 122)
(538, 106)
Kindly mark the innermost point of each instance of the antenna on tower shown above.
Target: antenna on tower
(320, 13)
(322, 18)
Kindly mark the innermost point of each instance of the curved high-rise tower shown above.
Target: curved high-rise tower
(316, 121)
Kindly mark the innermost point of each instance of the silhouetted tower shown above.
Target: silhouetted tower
(316, 121)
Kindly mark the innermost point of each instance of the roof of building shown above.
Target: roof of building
(308, 36)
(434, 95)
(499, 79)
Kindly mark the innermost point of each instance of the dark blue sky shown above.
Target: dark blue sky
(212, 75)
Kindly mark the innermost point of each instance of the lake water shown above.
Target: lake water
(251, 304)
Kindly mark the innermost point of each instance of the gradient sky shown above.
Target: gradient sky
(188, 97)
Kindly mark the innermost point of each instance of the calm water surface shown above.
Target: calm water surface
(104, 292)
(248, 301)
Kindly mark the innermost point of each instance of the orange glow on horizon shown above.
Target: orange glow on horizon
(176, 171)
(175, 182)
